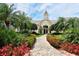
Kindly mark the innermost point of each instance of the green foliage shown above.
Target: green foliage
(52, 27)
(2, 24)
(72, 32)
(31, 40)
(72, 37)
(53, 40)
(6, 14)
(69, 27)
(9, 36)
(19, 20)
(59, 25)
(23, 22)
(34, 27)
(3, 11)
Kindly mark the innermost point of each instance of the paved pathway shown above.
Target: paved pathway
(43, 48)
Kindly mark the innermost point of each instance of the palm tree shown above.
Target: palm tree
(73, 24)
(23, 22)
(72, 28)
(7, 14)
(60, 25)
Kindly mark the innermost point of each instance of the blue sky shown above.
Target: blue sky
(55, 10)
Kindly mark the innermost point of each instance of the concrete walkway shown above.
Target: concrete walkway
(43, 48)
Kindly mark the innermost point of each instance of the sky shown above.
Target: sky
(55, 10)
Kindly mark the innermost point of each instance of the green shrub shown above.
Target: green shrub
(71, 37)
(31, 40)
(9, 36)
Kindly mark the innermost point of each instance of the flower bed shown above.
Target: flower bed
(67, 46)
(10, 50)
(70, 47)
(17, 44)
(54, 41)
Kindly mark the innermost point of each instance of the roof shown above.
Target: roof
(38, 21)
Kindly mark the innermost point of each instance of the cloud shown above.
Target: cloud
(36, 10)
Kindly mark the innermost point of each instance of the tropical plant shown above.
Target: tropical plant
(72, 30)
(6, 14)
(52, 28)
(31, 40)
(59, 25)
(9, 36)
(23, 23)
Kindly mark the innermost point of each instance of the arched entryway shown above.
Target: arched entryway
(45, 29)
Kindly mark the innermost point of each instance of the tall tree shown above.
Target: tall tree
(59, 25)
(24, 22)
(7, 14)
(34, 27)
